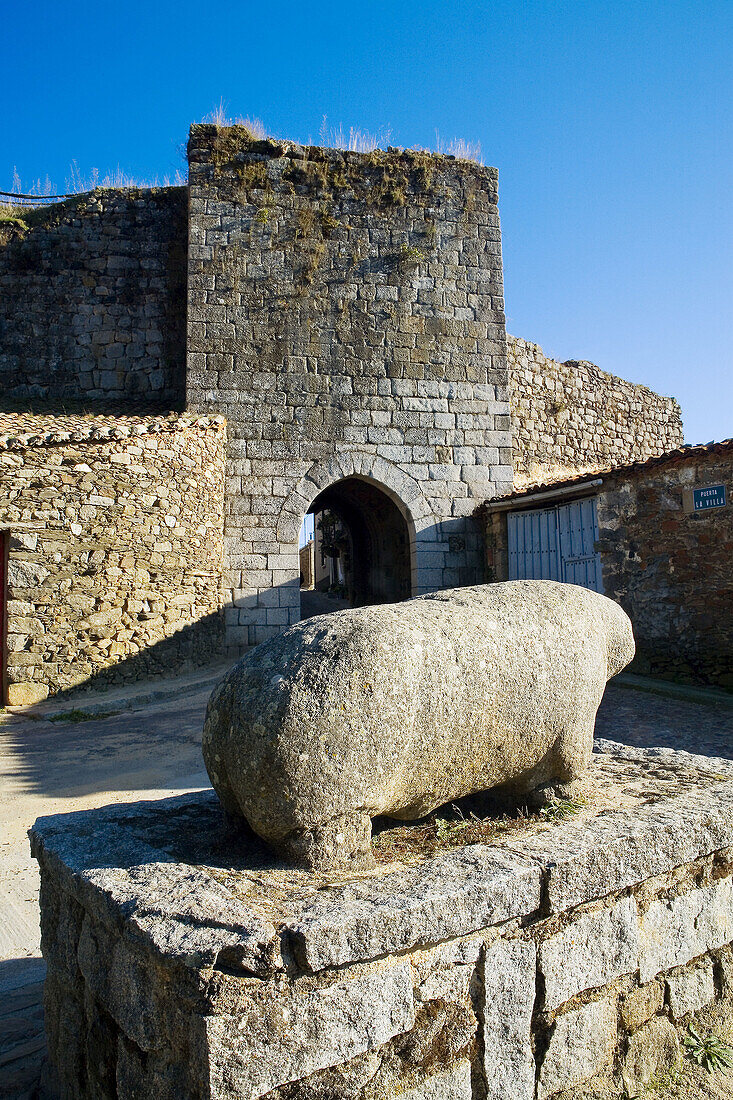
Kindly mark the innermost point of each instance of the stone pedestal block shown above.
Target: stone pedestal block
(184, 962)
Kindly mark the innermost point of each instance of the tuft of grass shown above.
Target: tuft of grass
(439, 833)
(77, 715)
(560, 808)
(219, 116)
(357, 141)
(13, 216)
(708, 1050)
(410, 256)
(459, 148)
(78, 184)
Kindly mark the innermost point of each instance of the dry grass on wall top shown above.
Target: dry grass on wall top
(355, 140)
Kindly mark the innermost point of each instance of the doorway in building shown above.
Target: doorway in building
(355, 549)
(556, 544)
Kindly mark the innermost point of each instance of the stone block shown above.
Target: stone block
(674, 931)
(446, 972)
(23, 540)
(581, 1044)
(25, 693)
(597, 858)
(641, 1004)
(294, 1030)
(450, 895)
(653, 1050)
(509, 997)
(25, 574)
(690, 989)
(590, 952)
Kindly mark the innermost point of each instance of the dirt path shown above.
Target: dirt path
(49, 767)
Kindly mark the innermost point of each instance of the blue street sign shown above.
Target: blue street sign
(712, 496)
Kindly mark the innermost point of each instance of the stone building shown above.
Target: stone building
(657, 536)
(300, 330)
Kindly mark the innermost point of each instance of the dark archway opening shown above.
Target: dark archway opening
(359, 552)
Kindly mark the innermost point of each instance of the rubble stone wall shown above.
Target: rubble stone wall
(578, 953)
(573, 417)
(115, 548)
(670, 569)
(345, 314)
(93, 300)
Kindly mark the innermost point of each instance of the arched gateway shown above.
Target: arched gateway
(361, 547)
(374, 519)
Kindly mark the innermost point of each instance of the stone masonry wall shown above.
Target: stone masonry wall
(668, 568)
(567, 952)
(346, 315)
(572, 417)
(115, 547)
(671, 569)
(93, 300)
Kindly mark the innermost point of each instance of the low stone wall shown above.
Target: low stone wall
(572, 417)
(93, 299)
(115, 530)
(181, 963)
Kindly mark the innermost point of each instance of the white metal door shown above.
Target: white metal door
(556, 544)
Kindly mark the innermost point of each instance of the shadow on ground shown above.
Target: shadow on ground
(647, 720)
(155, 747)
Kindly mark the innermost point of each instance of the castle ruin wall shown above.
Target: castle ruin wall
(570, 418)
(345, 314)
(93, 301)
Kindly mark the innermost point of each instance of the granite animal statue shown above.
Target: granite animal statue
(399, 708)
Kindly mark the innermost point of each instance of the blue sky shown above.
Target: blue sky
(610, 123)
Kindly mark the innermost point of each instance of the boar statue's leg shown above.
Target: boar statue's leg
(568, 761)
(556, 775)
(341, 844)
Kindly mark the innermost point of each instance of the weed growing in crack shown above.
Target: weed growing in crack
(708, 1050)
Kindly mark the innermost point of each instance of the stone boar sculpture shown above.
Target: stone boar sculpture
(399, 708)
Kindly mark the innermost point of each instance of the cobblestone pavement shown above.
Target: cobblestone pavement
(151, 750)
(644, 719)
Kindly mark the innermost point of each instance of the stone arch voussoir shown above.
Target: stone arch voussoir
(403, 489)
